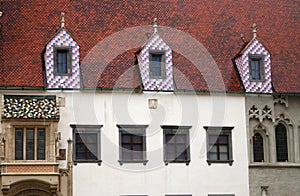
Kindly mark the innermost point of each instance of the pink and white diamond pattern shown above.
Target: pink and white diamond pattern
(157, 44)
(265, 86)
(62, 38)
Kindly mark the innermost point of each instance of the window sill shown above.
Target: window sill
(87, 161)
(187, 162)
(218, 161)
(133, 161)
(62, 74)
(274, 165)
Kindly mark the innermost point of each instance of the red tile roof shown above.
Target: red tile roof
(217, 25)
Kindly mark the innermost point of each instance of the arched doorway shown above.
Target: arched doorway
(31, 188)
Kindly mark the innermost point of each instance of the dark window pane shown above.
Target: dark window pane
(213, 139)
(223, 139)
(258, 148)
(170, 138)
(219, 148)
(86, 146)
(255, 69)
(19, 144)
(137, 147)
(126, 138)
(281, 143)
(156, 63)
(180, 138)
(29, 144)
(41, 144)
(137, 139)
(62, 56)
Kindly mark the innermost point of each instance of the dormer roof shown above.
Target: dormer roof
(215, 24)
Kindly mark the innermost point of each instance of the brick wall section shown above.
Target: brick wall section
(30, 168)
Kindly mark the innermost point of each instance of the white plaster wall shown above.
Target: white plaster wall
(156, 179)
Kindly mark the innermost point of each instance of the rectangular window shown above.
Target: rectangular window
(219, 145)
(30, 143)
(62, 60)
(256, 67)
(86, 143)
(132, 139)
(157, 64)
(176, 144)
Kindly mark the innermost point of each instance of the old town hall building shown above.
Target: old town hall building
(149, 98)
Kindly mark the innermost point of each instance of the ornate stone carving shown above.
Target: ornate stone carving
(281, 100)
(260, 114)
(284, 117)
(254, 112)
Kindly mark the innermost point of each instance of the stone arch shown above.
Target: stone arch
(285, 120)
(31, 188)
(262, 130)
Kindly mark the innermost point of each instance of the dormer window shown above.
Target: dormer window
(62, 60)
(256, 63)
(157, 64)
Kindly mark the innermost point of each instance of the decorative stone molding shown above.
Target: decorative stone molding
(283, 117)
(281, 100)
(266, 113)
(260, 128)
(254, 113)
(260, 114)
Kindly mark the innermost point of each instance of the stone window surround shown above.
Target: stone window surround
(261, 59)
(69, 60)
(270, 143)
(87, 129)
(163, 63)
(133, 129)
(220, 130)
(175, 129)
(9, 126)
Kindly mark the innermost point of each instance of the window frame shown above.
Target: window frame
(217, 131)
(162, 64)
(133, 130)
(263, 147)
(69, 60)
(287, 143)
(24, 142)
(82, 129)
(261, 59)
(171, 129)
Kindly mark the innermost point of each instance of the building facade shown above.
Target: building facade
(98, 99)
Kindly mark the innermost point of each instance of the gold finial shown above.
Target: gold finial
(62, 21)
(254, 27)
(155, 25)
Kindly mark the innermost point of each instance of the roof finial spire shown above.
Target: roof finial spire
(254, 27)
(62, 21)
(155, 25)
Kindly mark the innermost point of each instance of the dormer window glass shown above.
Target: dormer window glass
(256, 67)
(157, 65)
(62, 61)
